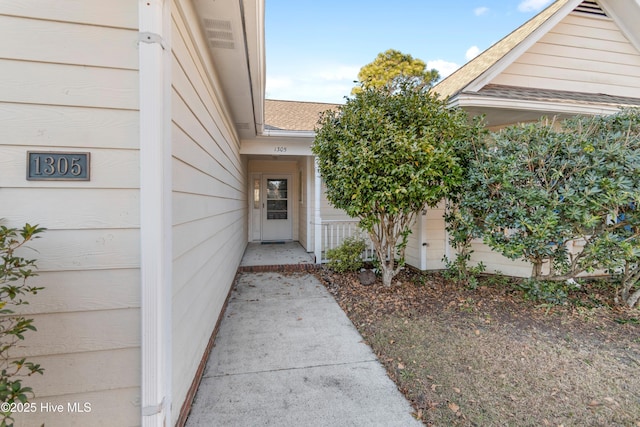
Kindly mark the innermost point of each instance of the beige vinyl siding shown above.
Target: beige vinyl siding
(496, 263)
(329, 213)
(413, 255)
(69, 82)
(435, 236)
(581, 54)
(209, 200)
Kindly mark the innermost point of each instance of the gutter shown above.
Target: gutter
(556, 106)
(278, 133)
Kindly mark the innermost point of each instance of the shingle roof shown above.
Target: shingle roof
(533, 94)
(473, 69)
(293, 115)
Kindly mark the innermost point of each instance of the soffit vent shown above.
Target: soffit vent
(219, 33)
(590, 8)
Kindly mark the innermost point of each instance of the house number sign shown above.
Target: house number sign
(58, 166)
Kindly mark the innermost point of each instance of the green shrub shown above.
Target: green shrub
(14, 272)
(347, 256)
(459, 270)
(550, 292)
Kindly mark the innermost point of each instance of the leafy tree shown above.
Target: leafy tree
(385, 155)
(14, 272)
(545, 187)
(393, 69)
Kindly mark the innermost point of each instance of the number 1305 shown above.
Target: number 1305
(58, 166)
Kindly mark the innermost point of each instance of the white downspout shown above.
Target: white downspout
(308, 180)
(155, 210)
(317, 217)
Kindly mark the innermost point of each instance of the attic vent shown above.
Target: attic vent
(590, 8)
(219, 33)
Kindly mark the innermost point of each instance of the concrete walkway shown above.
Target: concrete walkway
(287, 355)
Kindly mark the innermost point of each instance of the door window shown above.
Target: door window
(277, 199)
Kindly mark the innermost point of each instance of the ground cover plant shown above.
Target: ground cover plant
(500, 354)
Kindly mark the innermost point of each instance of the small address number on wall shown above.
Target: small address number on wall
(280, 149)
(58, 166)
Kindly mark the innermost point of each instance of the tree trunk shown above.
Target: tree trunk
(537, 269)
(387, 275)
(633, 299)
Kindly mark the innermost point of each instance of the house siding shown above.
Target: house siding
(435, 236)
(581, 54)
(210, 207)
(69, 82)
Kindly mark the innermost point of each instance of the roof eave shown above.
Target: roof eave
(479, 101)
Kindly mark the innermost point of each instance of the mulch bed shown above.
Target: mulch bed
(409, 323)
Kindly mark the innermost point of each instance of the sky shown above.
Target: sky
(315, 48)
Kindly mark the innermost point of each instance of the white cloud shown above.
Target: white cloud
(326, 83)
(444, 67)
(472, 52)
(532, 5)
(479, 11)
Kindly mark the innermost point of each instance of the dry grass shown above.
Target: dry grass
(488, 358)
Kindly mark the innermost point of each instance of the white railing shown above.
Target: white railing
(334, 232)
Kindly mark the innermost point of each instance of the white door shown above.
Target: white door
(277, 221)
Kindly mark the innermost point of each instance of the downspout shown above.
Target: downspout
(155, 210)
(317, 217)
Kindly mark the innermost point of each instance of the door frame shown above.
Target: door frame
(257, 217)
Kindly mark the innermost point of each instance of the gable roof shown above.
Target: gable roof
(293, 115)
(574, 57)
(482, 63)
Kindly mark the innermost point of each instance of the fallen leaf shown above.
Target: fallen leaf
(477, 331)
(594, 403)
(400, 366)
(434, 387)
(455, 408)
(457, 390)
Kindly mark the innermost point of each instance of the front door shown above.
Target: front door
(277, 221)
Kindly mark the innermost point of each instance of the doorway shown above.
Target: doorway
(275, 205)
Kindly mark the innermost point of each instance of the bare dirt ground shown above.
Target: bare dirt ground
(489, 357)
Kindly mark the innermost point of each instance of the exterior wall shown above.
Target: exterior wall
(209, 200)
(437, 247)
(328, 212)
(436, 238)
(582, 54)
(496, 263)
(69, 82)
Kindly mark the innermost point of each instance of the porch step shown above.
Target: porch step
(279, 268)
